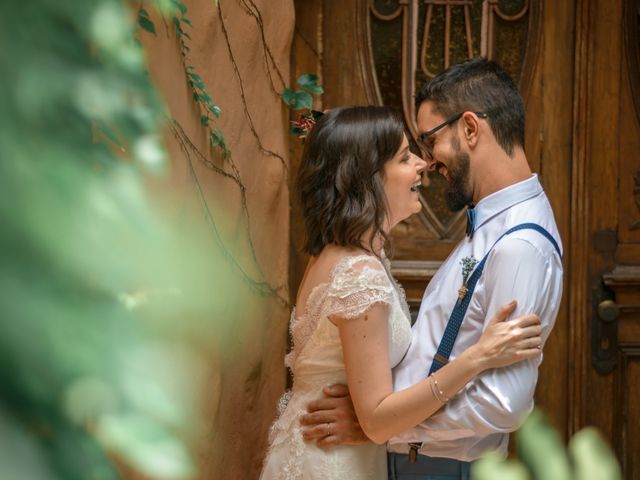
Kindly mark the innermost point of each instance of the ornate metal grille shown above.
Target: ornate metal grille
(412, 40)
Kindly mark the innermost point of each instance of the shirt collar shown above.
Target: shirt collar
(501, 200)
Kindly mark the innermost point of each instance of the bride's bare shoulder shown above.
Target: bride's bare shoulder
(331, 256)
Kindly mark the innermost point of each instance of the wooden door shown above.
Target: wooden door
(576, 69)
(606, 225)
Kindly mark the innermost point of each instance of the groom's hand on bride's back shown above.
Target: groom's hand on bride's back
(331, 420)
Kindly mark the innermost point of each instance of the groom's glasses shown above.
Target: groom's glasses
(423, 137)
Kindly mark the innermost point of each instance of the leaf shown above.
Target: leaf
(316, 89)
(190, 68)
(180, 6)
(195, 76)
(307, 79)
(303, 101)
(592, 458)
(288, 97)
(309, 82)
(147, 24)
(196, 97)
(216, 111)
(493, 467)
(143, 13)
(215, 139)
(204, 120)
(542, 450)
(187, 21)
(186, 34)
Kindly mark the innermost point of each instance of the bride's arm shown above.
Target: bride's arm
(383, 413)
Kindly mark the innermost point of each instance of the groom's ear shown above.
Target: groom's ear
(471, 127)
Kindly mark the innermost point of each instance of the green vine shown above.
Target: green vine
(302, 99)
(299, 99)
(209, 111)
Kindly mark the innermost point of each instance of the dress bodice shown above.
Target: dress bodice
(355, 285)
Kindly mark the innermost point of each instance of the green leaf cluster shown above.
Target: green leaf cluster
(102, 296)
(302, 99)
(195, 82)
(542, 456)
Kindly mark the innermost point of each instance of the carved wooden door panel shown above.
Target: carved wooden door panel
(610, 166)
(580, 80)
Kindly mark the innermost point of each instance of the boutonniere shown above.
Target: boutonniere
(468, 264)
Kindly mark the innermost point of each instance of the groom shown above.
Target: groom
(471, 124)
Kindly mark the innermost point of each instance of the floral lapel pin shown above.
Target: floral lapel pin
(468, 264)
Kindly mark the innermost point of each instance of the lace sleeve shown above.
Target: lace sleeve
(357, 284)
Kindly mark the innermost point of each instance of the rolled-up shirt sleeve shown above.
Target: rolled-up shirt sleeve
(498, 400)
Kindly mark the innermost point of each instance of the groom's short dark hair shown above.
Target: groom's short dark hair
(479, 85)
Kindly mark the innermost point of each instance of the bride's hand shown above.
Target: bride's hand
(505, 342)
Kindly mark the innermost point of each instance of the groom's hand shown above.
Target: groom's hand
(332, 420)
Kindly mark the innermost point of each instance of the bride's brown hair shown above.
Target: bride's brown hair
(340, 181)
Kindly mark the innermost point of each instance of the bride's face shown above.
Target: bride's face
(402, 180)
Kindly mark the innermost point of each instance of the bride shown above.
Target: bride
(351, 323)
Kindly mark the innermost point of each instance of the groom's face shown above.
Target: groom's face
(449, 159)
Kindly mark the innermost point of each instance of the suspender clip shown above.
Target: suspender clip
(413, 451)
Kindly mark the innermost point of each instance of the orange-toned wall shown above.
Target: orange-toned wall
(247, 374)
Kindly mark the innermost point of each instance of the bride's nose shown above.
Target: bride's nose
(421, 168)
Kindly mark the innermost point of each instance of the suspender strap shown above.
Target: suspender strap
(441, 358)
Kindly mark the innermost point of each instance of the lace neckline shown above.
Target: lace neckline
(347, 261)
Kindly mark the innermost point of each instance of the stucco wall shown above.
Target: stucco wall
(247, 374)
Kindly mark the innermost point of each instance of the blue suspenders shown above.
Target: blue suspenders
(441, 357)
(457, 315)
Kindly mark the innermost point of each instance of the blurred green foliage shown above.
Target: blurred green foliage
(105, 301)
(543, 456)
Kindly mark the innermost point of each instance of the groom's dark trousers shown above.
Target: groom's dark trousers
(427, 468)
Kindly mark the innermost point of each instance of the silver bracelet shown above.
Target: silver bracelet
(437, 392)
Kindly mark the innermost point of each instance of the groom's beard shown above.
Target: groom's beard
(458, 194)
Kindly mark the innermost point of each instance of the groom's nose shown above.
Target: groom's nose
(425, 179)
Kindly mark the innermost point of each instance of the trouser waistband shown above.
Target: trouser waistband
(432, 468)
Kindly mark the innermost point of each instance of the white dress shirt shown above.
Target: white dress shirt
(523, 266)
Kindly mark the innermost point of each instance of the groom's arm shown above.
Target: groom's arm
(497, 401)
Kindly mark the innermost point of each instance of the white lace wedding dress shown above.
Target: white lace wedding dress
(356, 284)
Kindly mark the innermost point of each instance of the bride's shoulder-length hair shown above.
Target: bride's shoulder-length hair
(341, 175)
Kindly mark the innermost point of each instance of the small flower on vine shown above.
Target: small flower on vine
(305, 122)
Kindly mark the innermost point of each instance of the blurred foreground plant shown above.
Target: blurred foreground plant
(104, 300)
(542, 456)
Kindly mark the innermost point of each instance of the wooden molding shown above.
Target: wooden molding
(623, 275)
(578, 258)
(632, 47)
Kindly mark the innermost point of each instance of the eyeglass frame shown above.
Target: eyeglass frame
(449, 121)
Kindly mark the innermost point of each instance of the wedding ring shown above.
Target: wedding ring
(328, 430)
